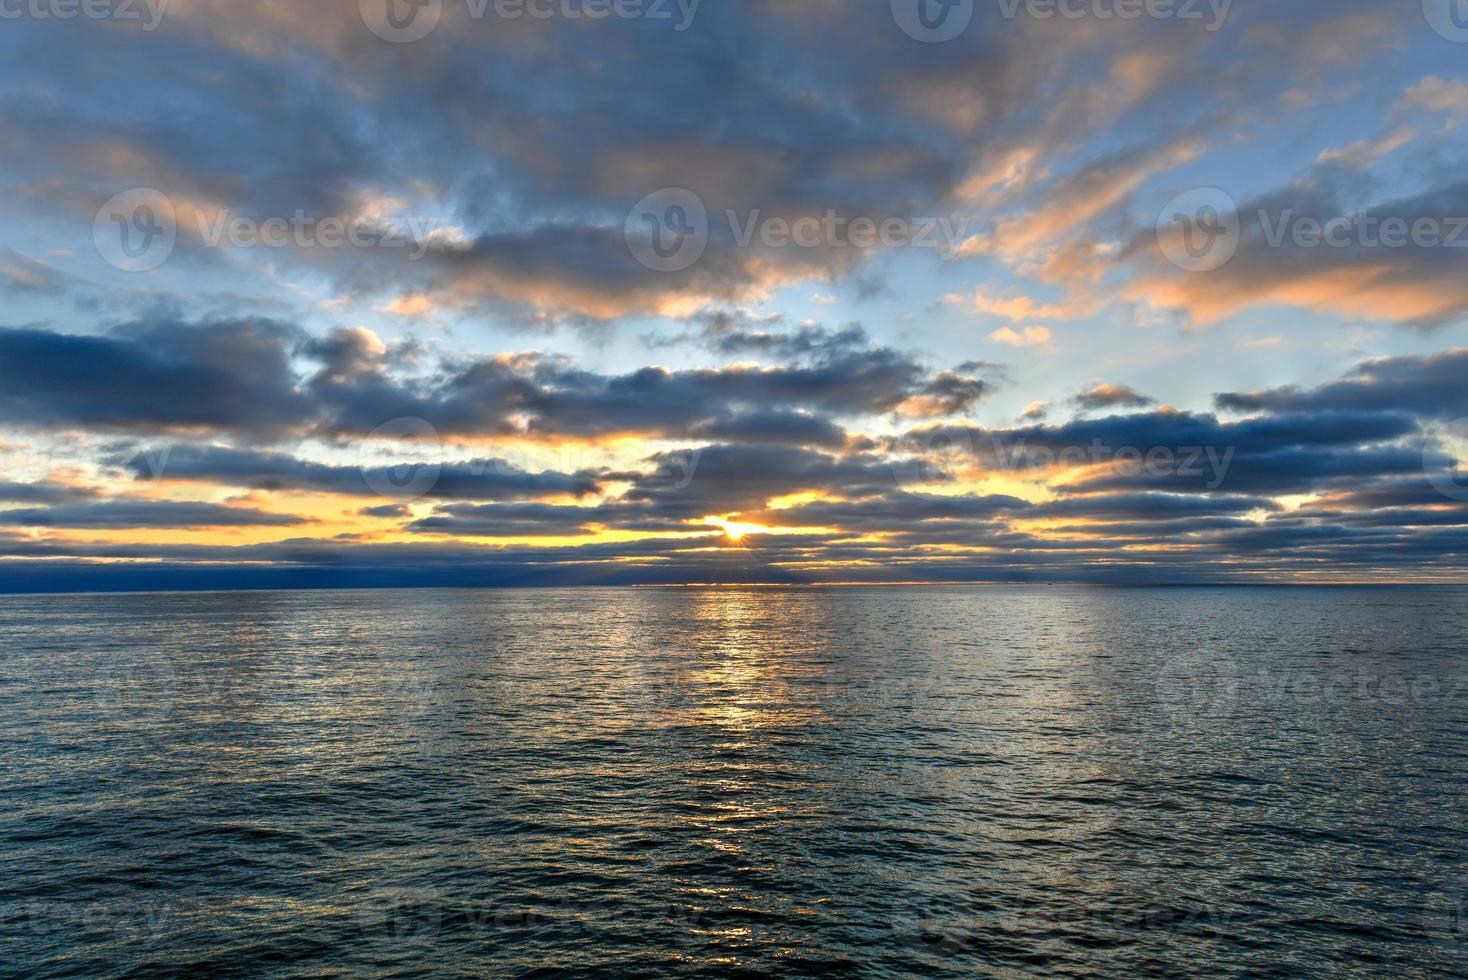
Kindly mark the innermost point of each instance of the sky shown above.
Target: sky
(350, 293)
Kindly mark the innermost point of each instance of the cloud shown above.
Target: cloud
(45, 492)
(1363, 153)
(388, 512)
(1141, 479)
(1099, 186)
(1428, 386)
(773, 428)
(1028, 337)
(1439, 95)
(1397, 261)
(118, 514)
(248, 469)
(506, 520)
(21, 273)
(241, 379)
(1017, 309)
(1110, 396)
(158, 376)
(1035, 412)
(949, 393)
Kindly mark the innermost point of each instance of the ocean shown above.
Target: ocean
(879, 782)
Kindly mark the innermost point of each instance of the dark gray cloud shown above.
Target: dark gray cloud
(45, 492)
(1156, 506)
(124, 514)
(388, 511)
(479, 479)
(726, 479)
(241, 379)
(158, 376)
(1431, 387)
(832, 373)
(775, 428)
(506, 520)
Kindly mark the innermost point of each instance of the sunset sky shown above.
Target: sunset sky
(734, 291)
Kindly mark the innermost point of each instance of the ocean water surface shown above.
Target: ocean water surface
(880, 782)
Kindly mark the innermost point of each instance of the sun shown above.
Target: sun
(737, 532)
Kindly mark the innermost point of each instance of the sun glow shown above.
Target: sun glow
(736, 531)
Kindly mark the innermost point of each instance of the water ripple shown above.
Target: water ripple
(870, 782)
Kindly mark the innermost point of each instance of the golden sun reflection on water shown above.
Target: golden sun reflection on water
(744, 678)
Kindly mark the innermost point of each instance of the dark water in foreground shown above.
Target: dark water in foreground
(881, 782)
